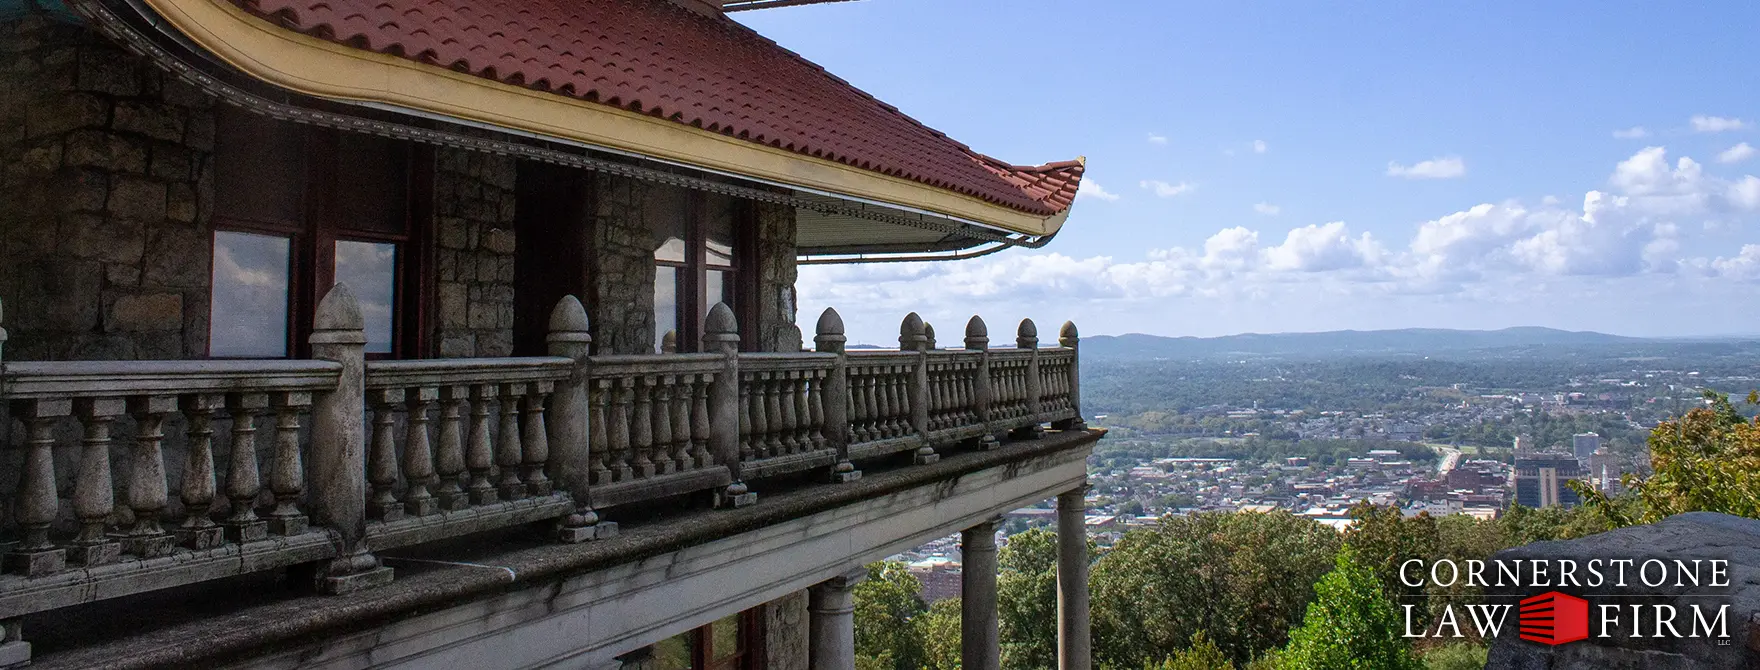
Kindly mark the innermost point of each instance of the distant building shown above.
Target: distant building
(1384, 455)
(1296, 462)
(1583, 445)
(1540, 480)
(940, 578)
(1524, 444)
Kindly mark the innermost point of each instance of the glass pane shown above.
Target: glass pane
(248, 313)
(718, 236)
(718, 253)
(665, 303)
(717, 287)
(725, 638)
(370, 270)
(673, 653)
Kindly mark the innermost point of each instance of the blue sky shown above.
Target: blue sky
(1299, 166)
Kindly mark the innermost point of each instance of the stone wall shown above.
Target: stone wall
(622, 304)
(106, 191)
(473, 221)
(785, 632)
(775, 238)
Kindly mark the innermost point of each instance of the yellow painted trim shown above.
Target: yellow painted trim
(320, 68)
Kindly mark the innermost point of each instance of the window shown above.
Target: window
(297, 210)
(726, 644)
(695, 268)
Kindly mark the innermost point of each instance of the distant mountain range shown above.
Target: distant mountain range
(1421, 341)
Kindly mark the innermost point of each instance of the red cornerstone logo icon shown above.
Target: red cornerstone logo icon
(1554, 618)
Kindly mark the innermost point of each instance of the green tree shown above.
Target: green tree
(1203, 654)
(1350, 626)
(886, 603)
(1705, 461)
(1241, 579)
(1026, 600)
(1457, 657)
(938, 628)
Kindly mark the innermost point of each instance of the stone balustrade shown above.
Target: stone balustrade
(141, 475)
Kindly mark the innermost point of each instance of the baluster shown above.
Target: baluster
(288, 480)
(761, 437)
(94, 496)
(872, 418)
(537, 440)
(878, 402)
(509, 452)
(816, 408)
(38, 505)
(897, 409)
(642, 427)
(787, 420)
(382, 455)
(198, 531)
(854, 405)
(700, 420)
(618, 450)
(747, 448)
(478, 456)
(681, 422)
(146, 477)
(243, 481)
(449, 461)
(663, 463)
(598, 441)
(418, 456)
(804, 426)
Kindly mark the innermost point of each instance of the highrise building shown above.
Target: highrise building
(1540, 480)
(1584, 445)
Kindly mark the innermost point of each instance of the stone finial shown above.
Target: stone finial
(720, 320)
(669, 342)
(829, 336)
(929, 332)
(910, 333)
(568, 322)
(338, 319)
(1028, 335)
(1067, 335)
(977, 334)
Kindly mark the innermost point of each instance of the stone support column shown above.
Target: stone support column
(336, 477)
(980, 641)
(831, 621)
(1073, 651)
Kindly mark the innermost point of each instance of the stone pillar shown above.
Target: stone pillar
(338, 473)
(1068, 338)
(1073, 651)
(978, 339)
(913, 337)
(567, 422)
(980, 642)
(829, 339)
(1027, 337)
(721, 336)
(831, 621)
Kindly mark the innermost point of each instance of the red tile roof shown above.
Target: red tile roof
(657, 58)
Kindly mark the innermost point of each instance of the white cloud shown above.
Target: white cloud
(1158, 140)
(1165, 190)
(1267, 209)
(1736, 154)
(1323, 248)
(1259, 147)
(1745, 194)
(1632, 133)
(1091, 189)
(1716, 124)
(1435, 168)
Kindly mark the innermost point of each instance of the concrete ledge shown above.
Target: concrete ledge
(440, 525)
(539, 575)
(780, 465)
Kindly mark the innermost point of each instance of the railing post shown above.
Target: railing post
(1071, 340)
(913, 336)
(721, 336)
(338, 472)
(978, 339)
(828, 338)
(1027, 337)
(569, 423)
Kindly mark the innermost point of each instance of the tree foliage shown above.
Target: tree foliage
(1241, 579)
(1350, 626)
(1203, 654)
(1705, 461)
(887, 603)
(1026, 595)
(939, 629)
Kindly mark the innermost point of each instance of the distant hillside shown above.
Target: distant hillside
(1420, 341)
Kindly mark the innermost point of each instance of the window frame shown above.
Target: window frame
(692, 302)
(312, 242)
